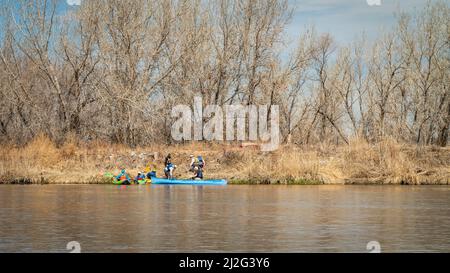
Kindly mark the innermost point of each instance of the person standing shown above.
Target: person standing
(169, 167)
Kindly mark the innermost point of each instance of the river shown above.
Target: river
(233, 218)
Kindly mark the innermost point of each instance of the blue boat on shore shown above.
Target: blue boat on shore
(164, 181)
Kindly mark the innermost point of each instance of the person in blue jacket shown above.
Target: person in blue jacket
(151, 174)
(196, 166)
(123, 177)
(140, 176)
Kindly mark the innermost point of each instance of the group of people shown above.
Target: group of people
(125, 179)
(196, 166)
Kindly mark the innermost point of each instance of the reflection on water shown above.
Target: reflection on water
(229, 218)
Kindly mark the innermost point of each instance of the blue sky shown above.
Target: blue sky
(345, 19)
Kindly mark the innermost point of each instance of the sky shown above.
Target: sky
(73, 2)
(347, 19)
(344, 19)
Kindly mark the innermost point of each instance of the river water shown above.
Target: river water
(231, 218)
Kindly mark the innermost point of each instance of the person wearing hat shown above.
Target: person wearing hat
(140, 176)
(196, 166)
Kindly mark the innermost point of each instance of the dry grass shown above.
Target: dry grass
(387, 162)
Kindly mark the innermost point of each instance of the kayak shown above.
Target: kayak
(119, 182)
(164, 181)
(144, 181)
(126, 182)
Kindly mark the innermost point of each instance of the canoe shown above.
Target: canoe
(163, 181)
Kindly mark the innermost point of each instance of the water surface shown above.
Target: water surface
(226, 218)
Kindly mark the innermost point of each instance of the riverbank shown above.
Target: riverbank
(387, 162)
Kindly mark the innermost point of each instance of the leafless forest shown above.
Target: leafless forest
(112, 70)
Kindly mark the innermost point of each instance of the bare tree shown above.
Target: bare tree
(112, 70)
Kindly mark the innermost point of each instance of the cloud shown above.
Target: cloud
(73, 2)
